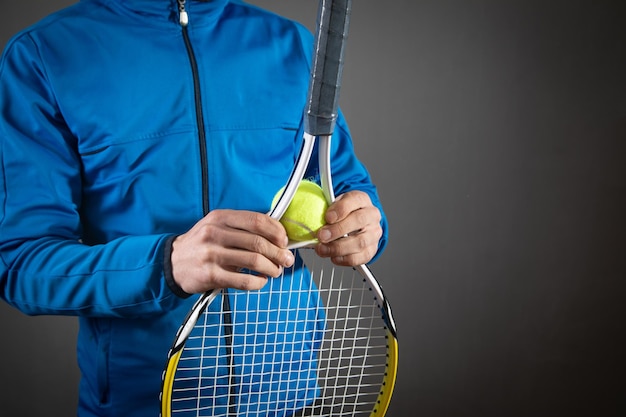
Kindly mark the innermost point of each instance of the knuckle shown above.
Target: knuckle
(215, 216)
(362, 243)
(360, 198)
(339, 229)
(254, 261)
(257, 244)
(209, 232)
(363, 197)
(256, 221)
(247, 282)
(250, 282)
(362, 217)
(376, 214)
(346, 260)
(214, 279)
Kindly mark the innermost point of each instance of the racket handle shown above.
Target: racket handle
(323, 98)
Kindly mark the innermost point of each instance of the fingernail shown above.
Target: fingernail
(331, 216)
(323, 250)
(323, 235)
(288, 259)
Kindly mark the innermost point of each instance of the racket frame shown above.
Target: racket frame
(320, 117)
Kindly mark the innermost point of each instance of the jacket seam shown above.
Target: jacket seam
(4, 188)
(156, 135)
(96, 305)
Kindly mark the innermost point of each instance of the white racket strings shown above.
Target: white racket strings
(312, 343)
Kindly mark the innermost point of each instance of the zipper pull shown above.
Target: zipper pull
(182, 13)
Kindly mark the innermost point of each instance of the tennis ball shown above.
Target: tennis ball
(305, 214)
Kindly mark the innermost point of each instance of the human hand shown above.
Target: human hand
(352, 232)
(213, 252)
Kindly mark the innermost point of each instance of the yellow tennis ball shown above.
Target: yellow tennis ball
(305, 214)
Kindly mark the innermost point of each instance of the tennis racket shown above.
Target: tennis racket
(318, 341)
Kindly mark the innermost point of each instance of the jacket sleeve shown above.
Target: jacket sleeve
(44, 266)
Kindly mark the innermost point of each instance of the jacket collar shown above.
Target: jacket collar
(201, 12)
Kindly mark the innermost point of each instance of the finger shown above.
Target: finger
(239, 280)
(346, 204)
(340, 257)
(208, 255)
(355, 222)
(256, 223)
(232, 268)
(258, 263)
(249, 231)
(355, 249)
(235, 260)
(202, 273)
(247, 247)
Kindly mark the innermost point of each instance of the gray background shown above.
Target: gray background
(496, 132)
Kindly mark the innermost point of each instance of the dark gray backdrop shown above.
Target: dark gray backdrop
(496, 131)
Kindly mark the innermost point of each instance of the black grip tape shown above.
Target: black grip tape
(323, 98)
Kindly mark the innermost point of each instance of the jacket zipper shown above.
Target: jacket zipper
(226, 307)
(184, 20)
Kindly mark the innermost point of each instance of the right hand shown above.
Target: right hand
(213, 252)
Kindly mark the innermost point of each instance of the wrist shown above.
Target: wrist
(168, 272)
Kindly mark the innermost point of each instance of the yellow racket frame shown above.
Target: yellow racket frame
(168, 384)
(384, 398)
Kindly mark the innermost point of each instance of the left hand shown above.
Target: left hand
(352, 231)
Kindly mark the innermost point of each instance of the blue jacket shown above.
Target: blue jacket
(115, 136)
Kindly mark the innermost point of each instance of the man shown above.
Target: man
(139, 155)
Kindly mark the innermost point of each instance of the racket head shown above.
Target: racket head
(358, 357)
(317, 341)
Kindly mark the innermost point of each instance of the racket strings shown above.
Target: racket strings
(312, 343)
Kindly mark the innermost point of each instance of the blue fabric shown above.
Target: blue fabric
(101, 166)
